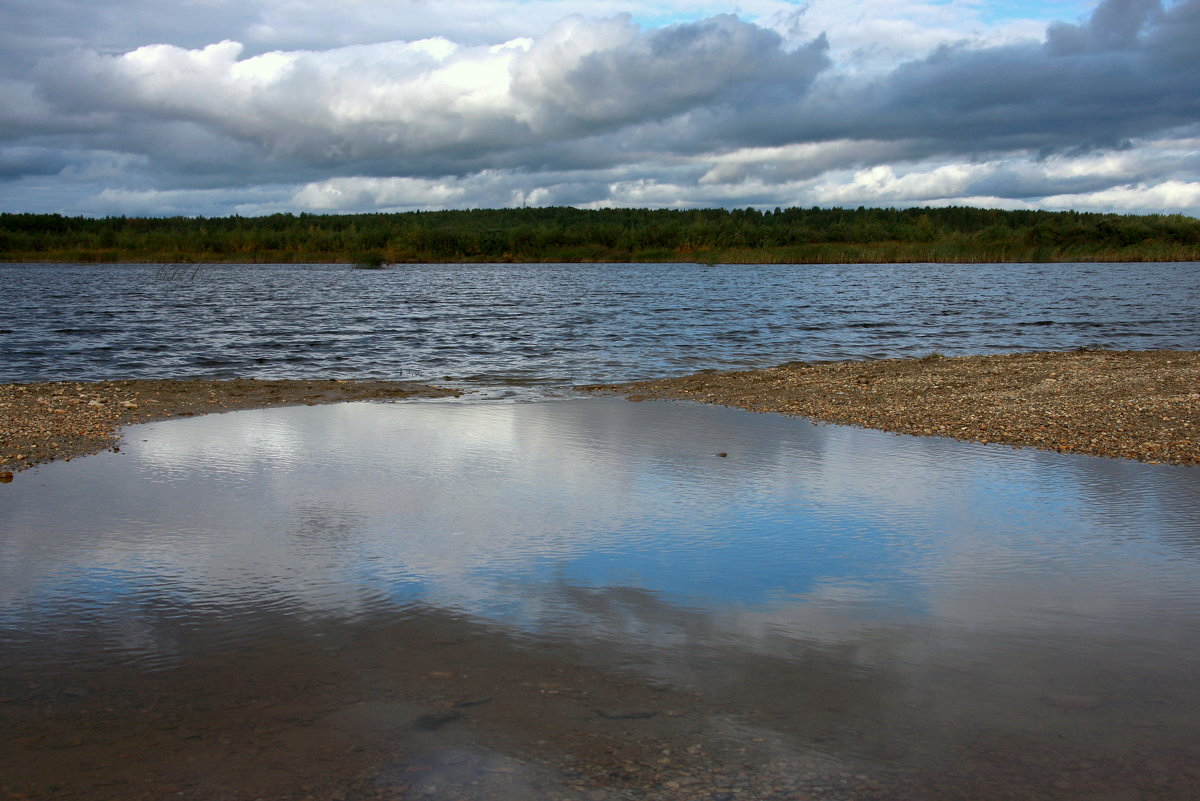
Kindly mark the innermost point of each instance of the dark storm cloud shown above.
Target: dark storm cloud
(589, 110)
(1131, 70)
(661, 74)
(18, 162)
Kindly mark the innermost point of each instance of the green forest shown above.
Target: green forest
(564, 234)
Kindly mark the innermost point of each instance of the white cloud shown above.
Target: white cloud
(405, 99)
(183, 202)
(261, 106)
(789, 162)
(358, 193)
(880, 185)
(1180, 197)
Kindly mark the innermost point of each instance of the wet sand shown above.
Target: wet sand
(429, 707)
(437, 708)
(42, 422)
(1141, 405)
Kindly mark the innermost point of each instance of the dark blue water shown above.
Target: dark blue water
(550, 325)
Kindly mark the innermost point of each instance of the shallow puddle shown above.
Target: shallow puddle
(594, 599)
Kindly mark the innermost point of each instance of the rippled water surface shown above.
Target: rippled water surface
(579, 598)
(554, 325)
(909, 601)
(504, 512)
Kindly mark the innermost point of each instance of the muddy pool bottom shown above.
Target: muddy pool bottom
(594, 599)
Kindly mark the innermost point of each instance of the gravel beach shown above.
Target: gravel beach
(42, 422)
(1141, 405)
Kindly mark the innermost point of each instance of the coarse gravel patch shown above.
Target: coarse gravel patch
(1142, 405)
(44, 421)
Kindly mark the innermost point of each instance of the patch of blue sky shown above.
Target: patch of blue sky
(989, 12)
(651, 18)
(661, 15)
(996, 12)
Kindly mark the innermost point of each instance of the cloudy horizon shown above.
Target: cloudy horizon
(259, 106)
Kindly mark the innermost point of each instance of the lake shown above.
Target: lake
(579, 598)
(528, 329)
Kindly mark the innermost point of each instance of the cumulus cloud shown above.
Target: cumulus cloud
(1180, 197)
(182, 202)
(337, 194)
(402, 100)
(309, 106)
(1085, 85)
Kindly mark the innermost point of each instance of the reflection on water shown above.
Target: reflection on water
(929, 593)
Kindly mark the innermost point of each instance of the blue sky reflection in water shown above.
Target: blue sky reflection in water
(600, 519)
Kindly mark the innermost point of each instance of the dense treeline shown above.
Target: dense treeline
(565, 234)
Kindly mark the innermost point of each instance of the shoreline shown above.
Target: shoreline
(42, 422)
(1142, 405)
(747, 259)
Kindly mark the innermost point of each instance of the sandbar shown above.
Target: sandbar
(45, 421)
(1142, 405)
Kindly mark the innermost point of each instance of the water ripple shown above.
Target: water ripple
(554, 325)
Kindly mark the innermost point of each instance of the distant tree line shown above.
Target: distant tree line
(564, 234)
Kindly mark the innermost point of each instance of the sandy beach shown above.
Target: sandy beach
(1142, 405)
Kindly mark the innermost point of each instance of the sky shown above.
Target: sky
(220, 107)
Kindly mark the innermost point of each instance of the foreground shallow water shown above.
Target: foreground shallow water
(595, 599)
